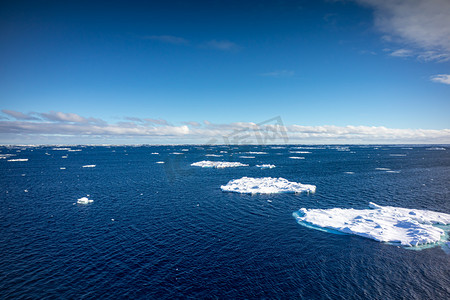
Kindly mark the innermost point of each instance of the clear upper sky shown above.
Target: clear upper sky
(113, 64)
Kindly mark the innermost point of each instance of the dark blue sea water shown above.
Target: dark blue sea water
(159, 231)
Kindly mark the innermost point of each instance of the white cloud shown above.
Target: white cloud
(442, 78)
(77, 128)
(223, 45)
(422, 24)
(401, 53)
(18, 115)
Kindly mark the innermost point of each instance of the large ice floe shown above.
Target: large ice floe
(217, 164)
(266, 185)
(395, 225)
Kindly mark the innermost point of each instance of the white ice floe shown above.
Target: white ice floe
(349, 172)
(159, 162)
(243, 156)
(62, 168)
(217, 164)
(300, 152)
(397, 155)
(436, 148)
(214, 155)
(18, 159)
(296, 157)
(74, 150)
(84, 200)
(89, 166)
(382, 169)
(61, 149)
(176, 153)
(408, 227)
(253, 152)
(65, 156)
(266, 185)
(155, 153)
(265, 166)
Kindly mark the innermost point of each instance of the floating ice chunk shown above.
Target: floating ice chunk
(61, 149)
(177, 153)
(436, 148)
(155, 153)
(62, 168)
(89, 166)
(65, 156)
(159, 162)
(296, 157)
(391, 171)
(84, 200)
(243, 156)
(252, 152)
(184, 150)
(300, 152)
(217, 164)
(75, 150)
(382, 169)
(266, 185)
(349, 172)
(214, 155)
(266, 166)
(408, 227)
(18, 159)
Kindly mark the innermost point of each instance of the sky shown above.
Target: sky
(175, 72)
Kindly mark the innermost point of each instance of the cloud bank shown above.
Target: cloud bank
(422, 25)
(54, 127)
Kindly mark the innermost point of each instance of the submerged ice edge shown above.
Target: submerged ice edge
(393, 225)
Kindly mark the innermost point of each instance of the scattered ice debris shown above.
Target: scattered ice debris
(18, 159)
(74, 150)
(184, 150)
(89, 166)
(408, 227)
(223, 151)
(266, 185)
(84, 200)
(243, 156)
(436, 148)
(61, 149)
(252, 152)
(266, 166)
(159, 162)
(300, 152)
(217, 164)
(391, 171)
(214, 155)
(296, 157)
(155, 153)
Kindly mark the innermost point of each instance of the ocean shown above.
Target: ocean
(166, 230)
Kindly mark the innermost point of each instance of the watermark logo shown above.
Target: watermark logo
(270, 131)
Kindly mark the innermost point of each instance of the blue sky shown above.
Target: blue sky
(187, 71)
